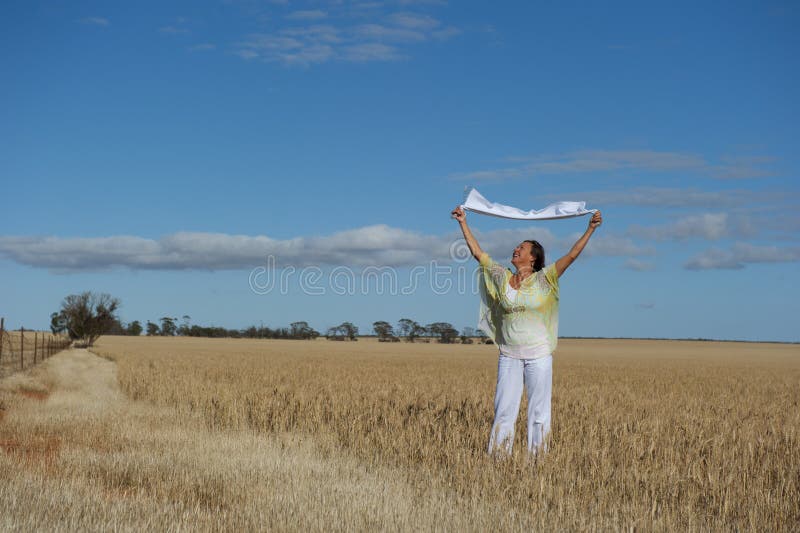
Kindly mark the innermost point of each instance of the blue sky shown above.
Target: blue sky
(164, 152)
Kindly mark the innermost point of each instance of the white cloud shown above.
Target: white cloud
(378, 32)
(296, 49)
(317, 44)
(246, 54)
(179, 28)
(319, 33)
(310, 54)
(377, 37)
(414, 21)
(740, 167)
(371, 52)
(741, 254)
(258, 44)
(674, 197)
(751, 253)
(378, 245)
(639, 266)
(784, 226)
(714, 258)
(96, 21)
(710, 226)
(619, 160)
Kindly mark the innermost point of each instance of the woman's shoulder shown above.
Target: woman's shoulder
(487, 262)
(541, 279)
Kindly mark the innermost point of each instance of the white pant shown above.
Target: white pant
(537, 377)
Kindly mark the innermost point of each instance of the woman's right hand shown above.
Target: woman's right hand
(459, 214)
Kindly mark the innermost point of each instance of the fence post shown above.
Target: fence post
(2, 332)
(35, 345)
(22, 348)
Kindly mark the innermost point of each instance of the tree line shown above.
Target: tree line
(87, 316)
(411, 331)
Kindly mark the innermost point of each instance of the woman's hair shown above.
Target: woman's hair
(537, 251)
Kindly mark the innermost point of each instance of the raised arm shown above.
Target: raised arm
(459, 214)
(563, 263)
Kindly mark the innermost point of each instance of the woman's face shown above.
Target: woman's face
(522, 256)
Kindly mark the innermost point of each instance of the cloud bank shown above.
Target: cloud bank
(378, 245)
(741, 254)
(663, 197)
(708, 226)
(622, 160)
(317, 37)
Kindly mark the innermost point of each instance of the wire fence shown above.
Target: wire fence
(21, 349)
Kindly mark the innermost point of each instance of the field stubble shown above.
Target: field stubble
(663, 434)
(77, 455)
(659, 435)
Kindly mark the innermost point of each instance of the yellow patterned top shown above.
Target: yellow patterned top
(529, 322)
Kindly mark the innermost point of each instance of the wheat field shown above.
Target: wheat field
(174, 433)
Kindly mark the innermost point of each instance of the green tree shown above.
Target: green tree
(404, 326)
(168, 327)
(345, 330)
(444, 330)
(350, 330)
(334, 333)
(383, 330)
(152, 329)
(87, 316)
(116, 328)
(416, 331)
(184, 328)
(134, 328)
(301, 330)
(409, 329)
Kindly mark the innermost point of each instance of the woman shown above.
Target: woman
(519, 312)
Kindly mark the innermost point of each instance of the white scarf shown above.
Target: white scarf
(475, 202)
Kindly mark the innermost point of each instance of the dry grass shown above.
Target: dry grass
(263, 434)
(81, 456)
(32, 345)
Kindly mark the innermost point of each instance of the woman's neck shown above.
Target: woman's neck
(523, 273)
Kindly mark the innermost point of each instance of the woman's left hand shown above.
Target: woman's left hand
(596, 220)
